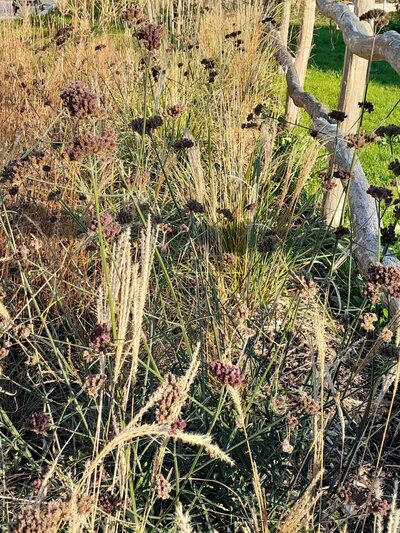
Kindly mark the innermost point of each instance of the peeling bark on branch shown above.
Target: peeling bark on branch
(365, 222)
(385, 46)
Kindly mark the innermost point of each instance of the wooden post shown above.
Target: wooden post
(352, 92)
(285, 22)
(303, 51)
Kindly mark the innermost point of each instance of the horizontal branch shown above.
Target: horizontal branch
(385, 46)
(364, 216)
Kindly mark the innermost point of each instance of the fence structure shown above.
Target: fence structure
(360, 43)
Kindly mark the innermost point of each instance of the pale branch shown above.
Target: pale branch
(364, 216)
(384, 46)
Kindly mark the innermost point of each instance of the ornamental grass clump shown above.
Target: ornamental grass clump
(187, 234)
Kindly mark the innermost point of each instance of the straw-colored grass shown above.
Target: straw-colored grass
(126, 272)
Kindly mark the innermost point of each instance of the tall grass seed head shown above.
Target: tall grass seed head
(170, 400)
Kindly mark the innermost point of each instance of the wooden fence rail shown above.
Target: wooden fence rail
(385, 46)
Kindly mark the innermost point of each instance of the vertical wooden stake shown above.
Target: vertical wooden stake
(285, 22)
(302, 53)
(352, 92)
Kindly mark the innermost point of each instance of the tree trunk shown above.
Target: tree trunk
(352, 92)
(303, 51)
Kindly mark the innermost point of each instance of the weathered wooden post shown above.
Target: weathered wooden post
(303, 51)
(352, 92)
(285, 21)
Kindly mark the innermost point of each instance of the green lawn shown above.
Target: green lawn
(323, 80)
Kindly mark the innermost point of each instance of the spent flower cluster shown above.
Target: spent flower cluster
(383, 276)
(89, 144)
(146, 125)
(100, 337)
(38, 423)
(376, 15)
(151, 35)
(227, 374)
(170, 401)
(110, 227)
(80, 101)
